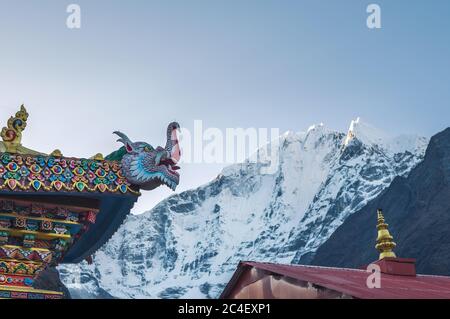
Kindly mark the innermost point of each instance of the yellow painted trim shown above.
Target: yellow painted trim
(37, 263)
(24, 248)
(32, 290)
(39, 235)
(40, 218)
(72, 188)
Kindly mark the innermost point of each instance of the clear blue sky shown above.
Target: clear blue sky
(137, 65)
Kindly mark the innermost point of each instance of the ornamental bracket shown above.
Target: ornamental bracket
(12, 133)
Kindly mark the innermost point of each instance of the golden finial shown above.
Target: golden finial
(56, 153)
(385, 242)
(98, 157)
(12, 133)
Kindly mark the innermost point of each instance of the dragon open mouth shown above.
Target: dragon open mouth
(148, 167)
(171, 166)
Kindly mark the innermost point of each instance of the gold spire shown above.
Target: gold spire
(98, 157)
(12, 133)
(385, 242)
(56, 153)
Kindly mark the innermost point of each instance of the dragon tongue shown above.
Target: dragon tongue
(176, 152)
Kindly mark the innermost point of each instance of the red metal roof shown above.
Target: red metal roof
(353, 281)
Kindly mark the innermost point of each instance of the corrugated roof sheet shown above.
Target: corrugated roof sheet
(353, 281)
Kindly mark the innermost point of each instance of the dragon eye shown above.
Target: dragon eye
(148, 149)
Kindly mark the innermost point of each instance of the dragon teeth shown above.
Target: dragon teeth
(167, 181)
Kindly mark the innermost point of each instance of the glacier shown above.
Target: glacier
(189, 245)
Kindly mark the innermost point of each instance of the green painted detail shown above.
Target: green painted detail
(117, 155)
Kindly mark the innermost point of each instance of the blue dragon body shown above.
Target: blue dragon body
(148, 167)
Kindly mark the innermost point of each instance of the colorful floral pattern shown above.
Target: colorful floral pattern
(19, 268)
(19, 253)
(48, 173)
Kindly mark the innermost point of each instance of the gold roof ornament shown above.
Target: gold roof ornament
(56, 153)
(98, 157)
(12, 133)
(385, 242)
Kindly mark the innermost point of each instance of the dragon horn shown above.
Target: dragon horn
(125, 140)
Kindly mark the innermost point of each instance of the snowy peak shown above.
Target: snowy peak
(316, 128)
(372, 136)
(365, 133)
(189, 245)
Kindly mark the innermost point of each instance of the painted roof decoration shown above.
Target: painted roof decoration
(25, 169)
(56, 209)
(55, 174)
(12, 134)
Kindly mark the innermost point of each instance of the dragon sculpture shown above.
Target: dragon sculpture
(142, 165)
(149, 167)
(56, 209)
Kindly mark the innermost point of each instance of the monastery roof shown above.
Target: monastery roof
(353, 281)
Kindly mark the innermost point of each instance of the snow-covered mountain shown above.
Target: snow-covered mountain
(189, 245)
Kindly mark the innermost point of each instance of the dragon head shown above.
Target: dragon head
(149, 167)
